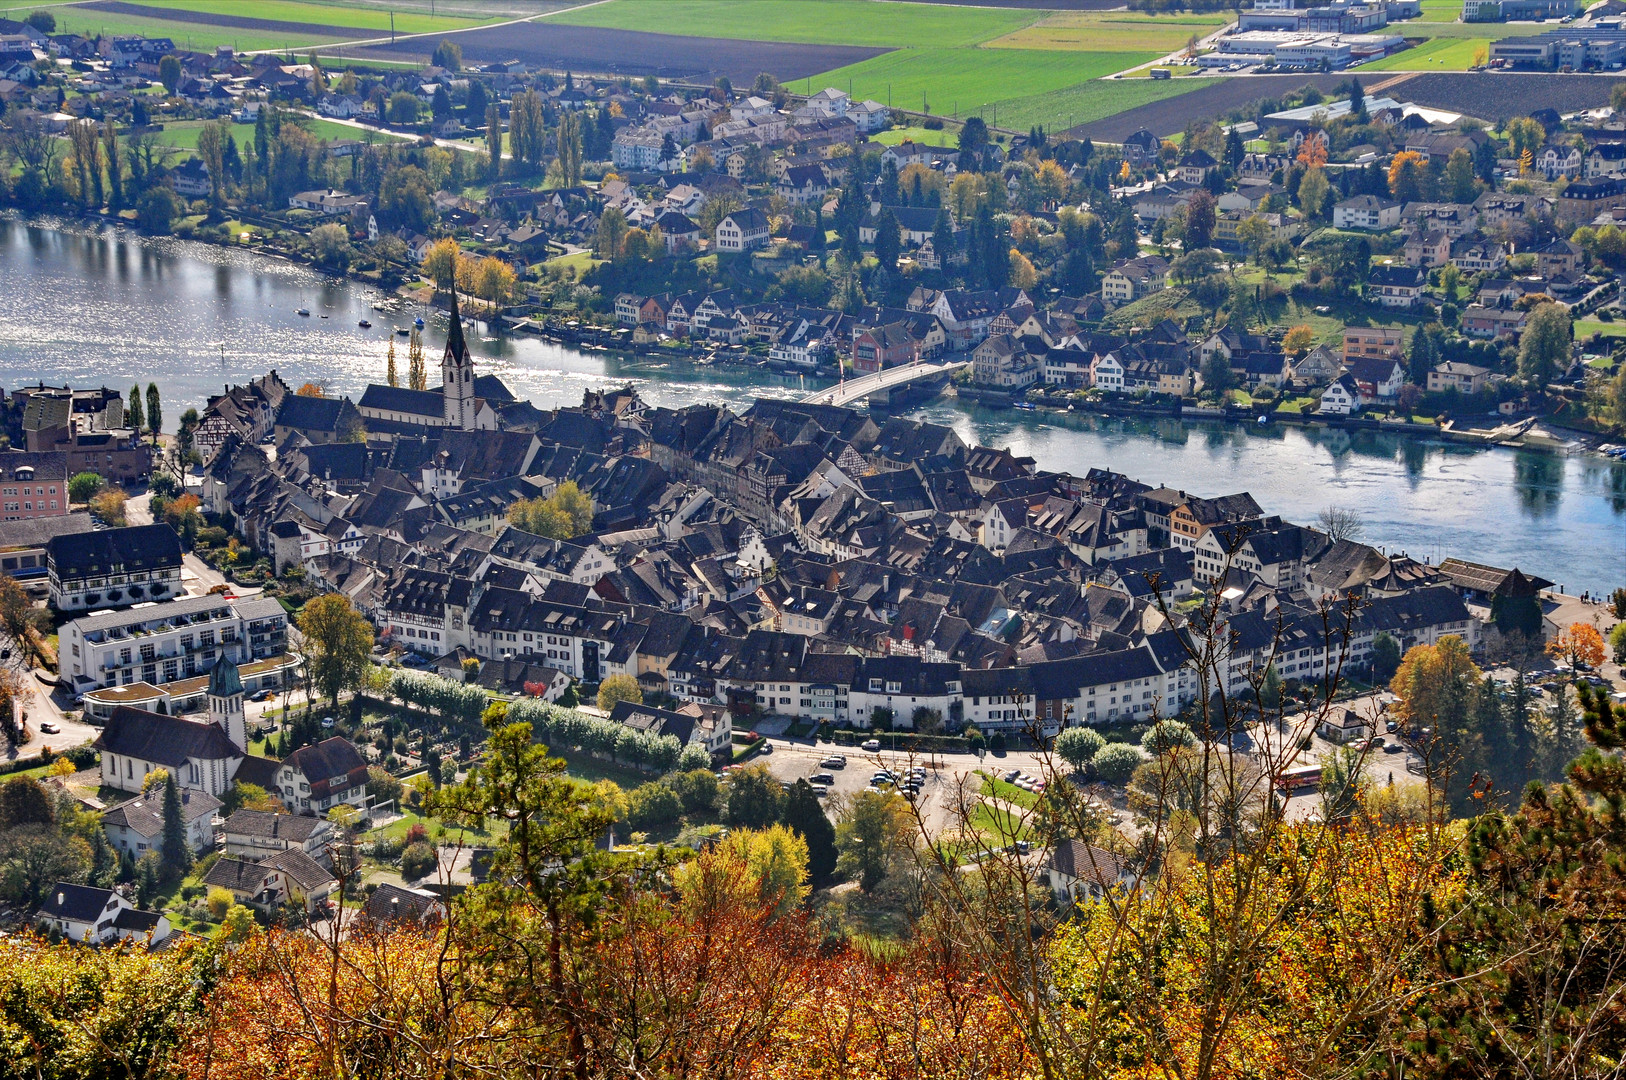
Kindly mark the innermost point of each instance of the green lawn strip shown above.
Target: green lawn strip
(999, 824)
(1439, 54)
(1090, 101)
(1003, 85)
(1585, 328)
(341, 17)
(914, 133)
(817, 22)
(1003, 789)
(186, 35)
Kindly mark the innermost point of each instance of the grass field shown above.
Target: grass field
(343, 15)
(816, 22)
(1058, 110)
(913, 133)
(184, 133)
(1002, 85)
(1109, 31)
(1585, 328)
(1440, 54)
(185, 35)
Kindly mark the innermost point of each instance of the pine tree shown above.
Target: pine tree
(177, 855)
(133, 417)
(805, 817)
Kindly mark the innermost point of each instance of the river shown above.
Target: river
(94, 307)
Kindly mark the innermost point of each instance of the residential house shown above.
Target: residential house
(743, 230)
(94, 916)
(136, 825)
(1131, 279)
(1366, 212)
(1462, 378)
(1396, 286)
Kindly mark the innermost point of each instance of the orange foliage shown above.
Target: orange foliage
(1313, 151)
(311, 389)
(1580, 642)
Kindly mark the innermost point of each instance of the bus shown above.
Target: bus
(1161, 73)
(1297, 779)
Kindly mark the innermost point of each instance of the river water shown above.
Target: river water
(90, 307)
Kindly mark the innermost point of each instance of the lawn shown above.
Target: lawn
(1010, 87)
(1115, 31)
(337, 15)
(184, 133)
(915, 133)
(998, 825)
(580, 261)
(1439, 54)
(1001, 789)
(814, 22)
(1585, 328)
(1085, 103)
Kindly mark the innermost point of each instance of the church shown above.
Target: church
(205, 755)
(463, 401)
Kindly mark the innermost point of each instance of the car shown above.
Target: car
(1390, 726)
(268, 695)
(327, 721)
(821, 778)
(833, 763)
(1392, 748)
(50, 729)
(5, 654)
(872, 745)
(767, 748)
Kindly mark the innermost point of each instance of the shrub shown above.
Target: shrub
(996, 741)
(83, 486)
(653, 806)
(693, 757)
(219, 902)
(418, 860)
(1116, 762)
(1167, 735)
(698, 788)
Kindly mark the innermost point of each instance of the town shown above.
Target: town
(835, 697)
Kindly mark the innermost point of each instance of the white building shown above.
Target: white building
(98, 916)
(169, 641)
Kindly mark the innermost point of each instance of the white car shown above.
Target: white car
(872, 745)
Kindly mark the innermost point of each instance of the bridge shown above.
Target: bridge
(851, 390)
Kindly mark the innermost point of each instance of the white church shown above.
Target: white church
(204, 755)
(457, 404)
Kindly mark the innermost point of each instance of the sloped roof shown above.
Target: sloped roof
(164, 740)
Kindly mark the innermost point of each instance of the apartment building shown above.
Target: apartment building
(163, 643)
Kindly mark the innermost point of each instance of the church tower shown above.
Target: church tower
(457, 375)
(226, 702)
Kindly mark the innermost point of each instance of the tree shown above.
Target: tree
(775, 860)
(330, 244)
(157, 209)
(888, 243)
(402, 108)
(567, 512)
(1579, 644)
(873, 835)
(440, 263)
(1116, 762)
(1617, 643)
(42, 20)
(1437, 687)
(177, 853)
(752, 798)
(1545, 345)
(390, 375)
(169, 72)
(83, 486)
(417, 367)
(448, 54)
(1299, 340)
(1341, 522)
(1385, 657)
(1199, 221)
(974, 135)
(1313, 191)
(419, 860)
(805, 816)
(25, 801)
(338, 641)
(155, 412)
(1078, 746)
(1405, 175)
(619, 688)
(1459, 176)
(108, 507)
(494, 142)
(1217, 374)
(1167, 735)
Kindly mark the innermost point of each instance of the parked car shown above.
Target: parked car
(821, 778)
(833, 763)
(50, 729)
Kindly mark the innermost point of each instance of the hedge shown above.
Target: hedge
(455, 701)
(551, 723)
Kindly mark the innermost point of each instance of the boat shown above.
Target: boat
(418, 322)
(1025, 406)
(303, 311)
(403, 331)
(324, 316)
(365, 324)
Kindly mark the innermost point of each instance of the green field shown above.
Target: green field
(184, 133)
(339, 15)
(895, 135)
(185, 35)
(817, 22)
(1440, 54)
(1107, 31)
(1009, 86)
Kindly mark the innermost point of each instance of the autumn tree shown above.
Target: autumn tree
(1578, 645)
(618, 688)
(566, 513)
(337, 642)
(417, 366)
(1299, 340)
(875, 835)
(440, 263)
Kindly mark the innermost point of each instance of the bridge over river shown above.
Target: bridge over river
(881, 382)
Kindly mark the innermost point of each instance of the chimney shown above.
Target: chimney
(186, 796)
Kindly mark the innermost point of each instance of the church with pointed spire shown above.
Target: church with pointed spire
(462, 402)
(457, 375)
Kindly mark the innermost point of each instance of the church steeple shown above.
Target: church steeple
(457, 374)
(225, 694)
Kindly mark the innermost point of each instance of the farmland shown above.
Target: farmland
(815, 22)
(346, 18)
(1110, 31)
(556, 47)
(187, 35)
